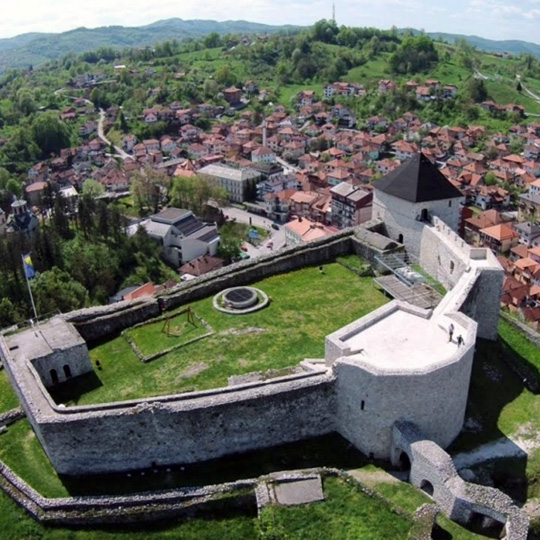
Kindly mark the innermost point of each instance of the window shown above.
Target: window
(54, 376)
(449, 204)
(362, 405)
(67, 371)
(452, 266)
(400, 239)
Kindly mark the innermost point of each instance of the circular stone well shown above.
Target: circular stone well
(240, 297)
(240, 300)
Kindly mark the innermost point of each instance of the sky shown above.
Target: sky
(494, 19)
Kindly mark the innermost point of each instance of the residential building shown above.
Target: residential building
(183, 236)
(351, 205)
(301, 230)
(500, 238)
(239, 183)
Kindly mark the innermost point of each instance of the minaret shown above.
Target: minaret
(264, 133)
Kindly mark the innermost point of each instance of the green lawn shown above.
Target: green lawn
(21, 451)
(289, 91)
(8, 398)
(305, 306)
(500, 403)
(347, 513)
(161, 335)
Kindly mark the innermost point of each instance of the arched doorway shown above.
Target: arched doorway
(424, 215)
(400, 238)
(54, 376)
(427, 487)
(67, 371)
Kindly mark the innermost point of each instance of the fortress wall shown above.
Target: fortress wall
(443, 254)
(446, 257)
(245, 273)
(483, 302)
(100, 322)
(107, 439)
(434, 400)
(433, 470)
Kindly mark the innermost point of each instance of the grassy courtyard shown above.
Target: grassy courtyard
(305, 306)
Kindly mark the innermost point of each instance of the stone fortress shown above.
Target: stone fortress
(391, 382)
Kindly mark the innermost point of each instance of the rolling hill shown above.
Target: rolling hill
(37, 48)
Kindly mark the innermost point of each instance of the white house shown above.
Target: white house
(263, 154)
(182, 235)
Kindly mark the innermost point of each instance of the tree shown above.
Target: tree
(59, 218)
(490, 179)
(230, 242)
(212, 40)
(477, 90)
(415, 54)
(145, 189)
(92, 188)
(55, 290)
(8, 313)
(195, 192)
(14, 187)
(50, 134)
(4, 177)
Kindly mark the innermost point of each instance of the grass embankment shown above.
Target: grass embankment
(346, 513)
(501, 406)
(8, 398)
(306, 306)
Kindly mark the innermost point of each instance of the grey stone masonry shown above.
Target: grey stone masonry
(433, 471)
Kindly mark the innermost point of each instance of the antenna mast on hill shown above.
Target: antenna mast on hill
(334, 11)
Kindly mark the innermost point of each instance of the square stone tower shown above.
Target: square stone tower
(408, 198)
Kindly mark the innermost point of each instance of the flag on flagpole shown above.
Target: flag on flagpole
(29, 270)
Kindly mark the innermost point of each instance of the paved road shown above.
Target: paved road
(101, 135)
(277, 238)
(287, 166)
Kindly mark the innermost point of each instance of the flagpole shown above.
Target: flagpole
(29, 289)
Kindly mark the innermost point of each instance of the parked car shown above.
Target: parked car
(275, 226)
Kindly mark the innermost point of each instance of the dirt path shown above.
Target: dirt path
(372, 478)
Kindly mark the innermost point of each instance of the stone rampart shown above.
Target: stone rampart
(100, 322)
(473, 275)
(186, 428)
(371, 395)
(433, 471)
(186, 502)
(11, 416)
